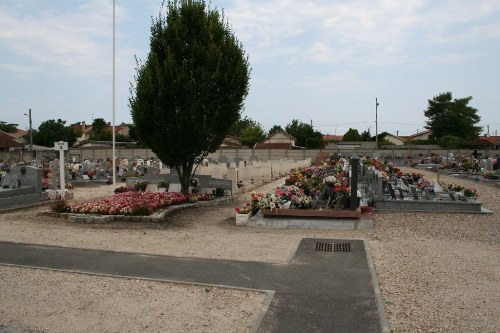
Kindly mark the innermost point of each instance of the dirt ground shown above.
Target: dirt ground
(438, 272)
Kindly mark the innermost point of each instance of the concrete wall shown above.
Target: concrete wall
(247, 154)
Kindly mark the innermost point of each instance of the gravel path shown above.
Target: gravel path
(437, 272)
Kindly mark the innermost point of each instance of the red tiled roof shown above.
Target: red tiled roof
(8, 141)
(19, 133)
(329, 137)
(273, 146)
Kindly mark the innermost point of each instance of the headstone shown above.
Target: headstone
(437, 188)
(391, 191)
(489, 165)
(232, 174)
(174, 188)
(10, 180)
(414, 192)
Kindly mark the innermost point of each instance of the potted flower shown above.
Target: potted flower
(470, 193)
(455, 188)
(91, 174)
(490, 175)
(243, 214)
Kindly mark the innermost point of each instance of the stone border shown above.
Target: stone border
(156, 217)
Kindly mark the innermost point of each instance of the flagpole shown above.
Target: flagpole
(114, 139)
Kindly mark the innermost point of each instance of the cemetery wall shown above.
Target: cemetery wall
(231, 154)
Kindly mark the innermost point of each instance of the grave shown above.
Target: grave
(398, 195)
(22, 187)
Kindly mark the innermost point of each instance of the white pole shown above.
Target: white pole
(114, 142)
(61, 173)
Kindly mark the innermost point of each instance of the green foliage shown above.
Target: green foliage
(101, 131)
(366, 136)
(51, 131)
(449, 141)
(275, 129)
(252, 134)
(314, 143)
(420, 142)
(352, 135)
(301, 132)
(7, 127)
(448, 116)
(240, 125)
(190, 89)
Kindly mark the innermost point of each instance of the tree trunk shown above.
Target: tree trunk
(185, 171)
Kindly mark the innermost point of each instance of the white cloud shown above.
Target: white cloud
(77, 42)
(383, 31)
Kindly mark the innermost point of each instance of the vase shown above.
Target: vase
(242, 219)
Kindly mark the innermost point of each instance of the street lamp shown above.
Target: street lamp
(31, 130)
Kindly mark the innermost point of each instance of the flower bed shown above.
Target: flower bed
(134, 203)
(307, 189)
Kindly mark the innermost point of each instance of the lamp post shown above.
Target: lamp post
(31, 130)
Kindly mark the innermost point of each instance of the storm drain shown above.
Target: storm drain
(333, 247)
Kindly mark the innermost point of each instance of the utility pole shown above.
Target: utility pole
(376, 122)
(31, 130)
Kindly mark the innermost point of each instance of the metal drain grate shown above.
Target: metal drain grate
(331, 247)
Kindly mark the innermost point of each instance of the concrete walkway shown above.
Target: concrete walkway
(328, 285)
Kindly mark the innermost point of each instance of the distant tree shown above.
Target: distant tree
(366, 136)
(7, 127)
(51, 131)
(101, 131)
(449, 141)
(352, 135)
(241, 124)
(252, 134)
(448, 116)
(301, 132)
(190, 90)
(275, 129)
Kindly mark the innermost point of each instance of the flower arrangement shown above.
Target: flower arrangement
(140, 185)
(245, 210)
(270, 201)
(302, 201)
(163, 184)
(455, 187)
(45, 183)
(489, 175)
(342, 191)
(330, 181)
(470, 193)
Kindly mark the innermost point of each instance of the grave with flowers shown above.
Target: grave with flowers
(317, 192)
(411, 191)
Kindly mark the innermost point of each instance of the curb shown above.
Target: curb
(156, 217)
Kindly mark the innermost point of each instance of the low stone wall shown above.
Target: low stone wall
(437, 206)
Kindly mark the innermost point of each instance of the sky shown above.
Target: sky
(323, 62)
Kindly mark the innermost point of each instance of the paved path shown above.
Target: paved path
(318, 291)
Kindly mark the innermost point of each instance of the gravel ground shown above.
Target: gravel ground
(438, 272)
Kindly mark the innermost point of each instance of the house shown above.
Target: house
(231, 142)
(86, 131)
(8, 142)
(278, 140)
(332, 138)
(425, 135)
(396, 140)
(485, 141)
